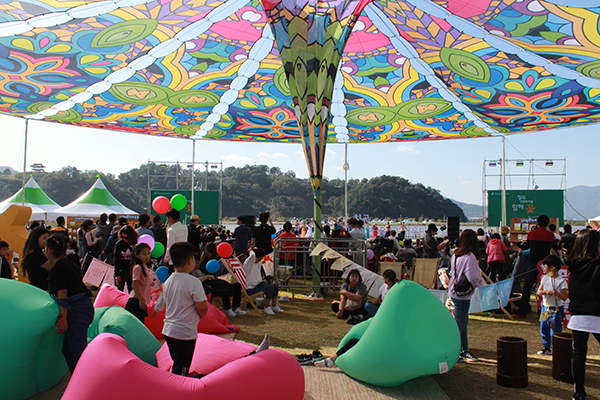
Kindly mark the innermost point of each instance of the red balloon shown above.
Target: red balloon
(225, 250)
(161, 204)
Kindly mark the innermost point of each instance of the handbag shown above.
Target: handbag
(351, 305)
(462, 286)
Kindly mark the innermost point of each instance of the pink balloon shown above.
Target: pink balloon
(370, 254)
(161, 204)
(149, 240)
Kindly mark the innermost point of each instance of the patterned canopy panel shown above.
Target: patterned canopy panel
(411, 70)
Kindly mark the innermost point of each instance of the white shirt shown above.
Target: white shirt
(252, 268)
(176, 233)
(584, 323)
(558, 284)
(383, 290)
(180, 294)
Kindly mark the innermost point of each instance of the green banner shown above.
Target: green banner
(526, 204)
(206, 204)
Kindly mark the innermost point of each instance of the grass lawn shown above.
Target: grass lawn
(308, 325)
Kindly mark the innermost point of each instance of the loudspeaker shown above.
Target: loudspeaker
(250, 221)
(453, 228)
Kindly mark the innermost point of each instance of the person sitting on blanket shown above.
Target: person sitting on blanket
(353, 296)
(218, 287)
(255, 283)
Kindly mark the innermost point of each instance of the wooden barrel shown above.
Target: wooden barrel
(562, 351)
(512, 362)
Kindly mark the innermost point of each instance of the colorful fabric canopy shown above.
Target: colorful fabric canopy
(35, 198)
(94, 202)
(411, 70)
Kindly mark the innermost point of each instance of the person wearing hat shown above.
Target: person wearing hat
(431, 247)
(194, 233)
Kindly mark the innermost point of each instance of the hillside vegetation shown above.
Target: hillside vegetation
(252, 189)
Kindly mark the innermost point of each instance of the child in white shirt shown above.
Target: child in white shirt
(554, 291)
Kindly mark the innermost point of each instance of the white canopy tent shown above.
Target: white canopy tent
(97, 200)
(41, 205)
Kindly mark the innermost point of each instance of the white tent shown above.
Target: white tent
(41, 205)
(95, 201)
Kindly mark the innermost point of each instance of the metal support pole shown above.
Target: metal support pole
(221, 195)
(206, 165)
(193, 170)
(346, 168)
(149, 209)
(177, 176)
(503, 222)
(24, 164)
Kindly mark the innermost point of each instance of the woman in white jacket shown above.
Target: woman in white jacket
(464, 265)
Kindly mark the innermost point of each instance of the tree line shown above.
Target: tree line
(250, 190)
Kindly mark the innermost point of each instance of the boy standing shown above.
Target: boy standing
(186, 303)
(554, 291)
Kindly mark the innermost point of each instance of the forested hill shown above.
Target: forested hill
(252, 189)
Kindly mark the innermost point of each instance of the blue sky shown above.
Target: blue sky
(452, 166)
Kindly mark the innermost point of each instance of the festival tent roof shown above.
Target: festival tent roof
(95, 201)
(35, 198)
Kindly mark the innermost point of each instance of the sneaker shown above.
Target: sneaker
(269, 311)
(545, 352)
(230, 313)
(277, 308)
(468, 356)
(317, 356)
(239, 311)
(326, 363)
(354, 319)
(578, 396)
(305, 359)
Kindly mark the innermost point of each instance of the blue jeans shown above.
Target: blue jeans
(79, 318)
(461, 316)
(271, 290)
(545, 327)
(371, 308)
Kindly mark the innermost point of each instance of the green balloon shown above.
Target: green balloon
(413, 334)
(178, 202)
(159, 250)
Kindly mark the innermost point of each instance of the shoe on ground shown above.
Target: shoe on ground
(230, 313)
(317, 356)
(545, 352)
(305, 359)
(277, 308)
(468, 356)
(326, 363)
(239, 311)
(578, 396)
(269, 311)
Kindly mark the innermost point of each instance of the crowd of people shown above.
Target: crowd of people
(54, 262)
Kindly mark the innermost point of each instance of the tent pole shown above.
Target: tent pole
(24, 164)
(503, 222)
(346, 168)
(193, 170)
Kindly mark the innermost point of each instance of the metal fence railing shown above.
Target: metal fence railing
(294, 267)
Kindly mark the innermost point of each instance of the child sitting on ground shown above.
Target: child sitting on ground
(554, 291)
(186, 304)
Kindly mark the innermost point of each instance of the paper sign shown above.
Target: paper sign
(95, 273)
(475, 302)
(442, 295)
(109, 277)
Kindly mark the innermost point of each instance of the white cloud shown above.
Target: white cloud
(238, 160)
(466, 182)
(329, 154)
(403, 148)
(278, 156)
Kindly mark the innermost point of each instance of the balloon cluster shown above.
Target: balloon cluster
(161, 204)
(157, 248)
